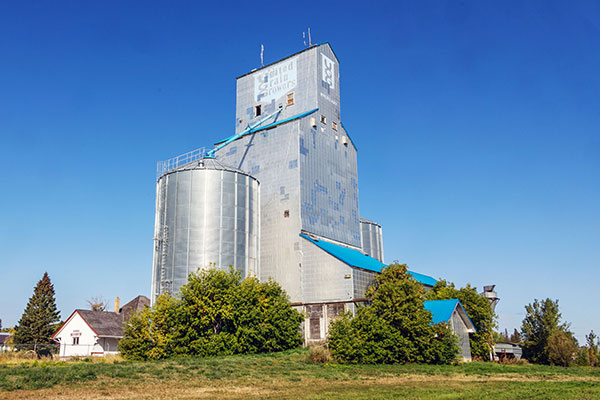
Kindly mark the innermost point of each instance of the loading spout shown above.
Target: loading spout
(249, 129)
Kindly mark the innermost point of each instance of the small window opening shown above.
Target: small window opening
(323, 119)
(286, 214)
(258, 110)
(76, 340)
(290, 99)
(334, 125)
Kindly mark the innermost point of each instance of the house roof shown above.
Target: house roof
(356, 259)
(4, 337)
(134, 306)
(442, 311)
(109, 324)
(104, 323)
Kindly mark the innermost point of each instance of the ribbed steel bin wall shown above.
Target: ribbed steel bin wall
(371, 239)
(206, 214)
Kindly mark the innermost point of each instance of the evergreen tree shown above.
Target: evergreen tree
(515, 337)
(40, 318)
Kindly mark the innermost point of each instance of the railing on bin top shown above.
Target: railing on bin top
(165, 166)
(162, 167)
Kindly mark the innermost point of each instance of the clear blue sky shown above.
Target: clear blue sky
(477, 124)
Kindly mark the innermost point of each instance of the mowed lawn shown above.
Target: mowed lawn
(290, 375)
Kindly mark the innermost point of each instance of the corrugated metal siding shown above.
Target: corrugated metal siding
(204, 217)
(460, 329)
(371, 239)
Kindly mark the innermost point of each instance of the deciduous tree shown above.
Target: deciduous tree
(592, 342)
(562, 348)
(97, 303)
(542, 319)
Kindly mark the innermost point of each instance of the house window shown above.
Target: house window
(323, 119)
(76, 340)
(290, 99)
(334, 125)
(258, 110)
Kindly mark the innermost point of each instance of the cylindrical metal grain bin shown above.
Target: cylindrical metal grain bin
(207, 214)
(371, 238)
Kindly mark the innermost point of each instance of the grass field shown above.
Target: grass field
(290, 375)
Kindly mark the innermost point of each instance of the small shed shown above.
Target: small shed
(453, 313)
(508, 350)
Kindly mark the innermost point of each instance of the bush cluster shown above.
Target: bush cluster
(217, 313)
(394, 327)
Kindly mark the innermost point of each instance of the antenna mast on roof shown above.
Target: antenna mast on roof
(304, 38)
(309, 41)
(262, 50)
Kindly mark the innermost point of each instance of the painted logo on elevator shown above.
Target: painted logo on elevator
(328, 71)
(274, 82)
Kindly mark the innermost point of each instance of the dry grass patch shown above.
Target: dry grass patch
(289, 375)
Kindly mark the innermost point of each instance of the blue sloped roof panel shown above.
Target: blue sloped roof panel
(355, 258)
(441, 309)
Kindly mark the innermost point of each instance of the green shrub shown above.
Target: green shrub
(394, 328)
(218, 313)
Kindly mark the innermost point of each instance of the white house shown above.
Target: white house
(4, 336)
(95, 333)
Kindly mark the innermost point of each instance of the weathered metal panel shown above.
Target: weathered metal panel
(362, 280)
(460, 329)
(324, 277)
(271, 156)
(307, 169)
